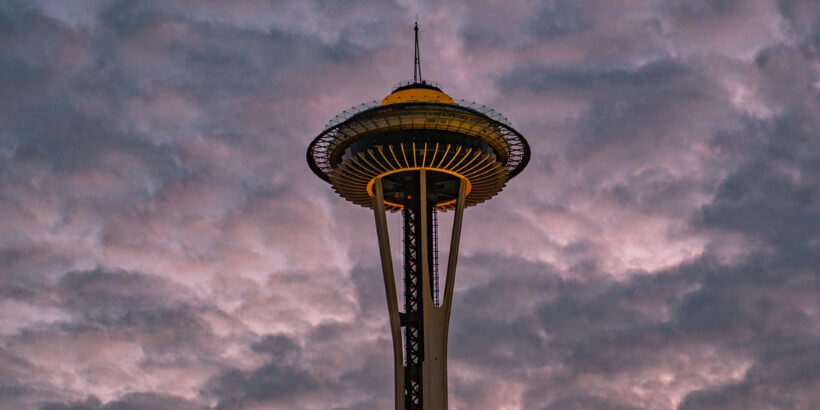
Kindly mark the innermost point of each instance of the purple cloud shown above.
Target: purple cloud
(165, 246)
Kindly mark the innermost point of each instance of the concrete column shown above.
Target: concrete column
(390, 291)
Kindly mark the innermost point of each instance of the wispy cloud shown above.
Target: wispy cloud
(164, 245)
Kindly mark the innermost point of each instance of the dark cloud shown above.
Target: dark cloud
(785, 377)
(131, 401)
(534, 22)
(702, 9)
(164, 246)
(272, 383)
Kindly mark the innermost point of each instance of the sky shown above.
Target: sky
(164, 245)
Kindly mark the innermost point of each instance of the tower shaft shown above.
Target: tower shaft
(421, 375)
(412, 319)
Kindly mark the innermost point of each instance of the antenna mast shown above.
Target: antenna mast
(417, 62)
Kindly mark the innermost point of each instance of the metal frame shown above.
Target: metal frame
(368, 105)
(354, 178)
(413, 316)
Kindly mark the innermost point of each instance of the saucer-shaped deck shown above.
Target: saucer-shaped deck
(418, 127)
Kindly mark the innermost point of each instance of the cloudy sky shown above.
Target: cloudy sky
(163, 244)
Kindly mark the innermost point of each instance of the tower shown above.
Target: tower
(418, 151)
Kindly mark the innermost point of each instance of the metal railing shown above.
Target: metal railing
(483, 109)
(411, 82)
(350, 112)
(495, 115)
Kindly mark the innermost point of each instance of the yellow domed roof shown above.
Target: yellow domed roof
(417, 94)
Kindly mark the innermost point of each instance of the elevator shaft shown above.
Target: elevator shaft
(413, 215)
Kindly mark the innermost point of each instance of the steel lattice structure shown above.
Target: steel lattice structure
(418, 151)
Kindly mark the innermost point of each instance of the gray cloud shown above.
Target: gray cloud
(163, 245)
(131, 401)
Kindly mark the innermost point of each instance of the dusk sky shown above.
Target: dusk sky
(164, 245)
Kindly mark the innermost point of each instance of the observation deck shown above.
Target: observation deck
(418, 127)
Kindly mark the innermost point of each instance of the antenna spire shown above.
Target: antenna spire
(417, 62)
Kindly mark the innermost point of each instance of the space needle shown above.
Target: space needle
(418, 152)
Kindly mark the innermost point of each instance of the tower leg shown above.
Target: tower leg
(452, 259)
(390, 291)
(436, 322)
